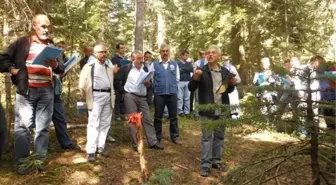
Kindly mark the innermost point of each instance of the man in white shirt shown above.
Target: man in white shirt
(96, 82)
(135, 98)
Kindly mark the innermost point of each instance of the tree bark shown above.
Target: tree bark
(139, 23)
(161, 29)
(313, 130)
(8, 84)
(235, 37)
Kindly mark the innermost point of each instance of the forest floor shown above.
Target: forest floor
(122, 167)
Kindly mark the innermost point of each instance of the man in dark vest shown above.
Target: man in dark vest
(165, 80)
(116, 58)
(183, 99)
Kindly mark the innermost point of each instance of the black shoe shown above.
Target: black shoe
(42, 167)
(103, 152)
(176, 141)
(205, 171)
(219, 166)
(181, 115)
(157, 146)
(135, 149)
(91, 158)
(22, 170)
(72, 147)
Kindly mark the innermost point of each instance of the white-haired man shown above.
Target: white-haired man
(96, 82)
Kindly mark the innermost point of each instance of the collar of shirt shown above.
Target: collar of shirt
(133, 66)
(36, 40)
(219, 69)
(161, 61)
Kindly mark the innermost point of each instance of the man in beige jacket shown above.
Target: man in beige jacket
(96, 83)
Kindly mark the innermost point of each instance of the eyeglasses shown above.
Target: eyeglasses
(101, 51)
(164, 50)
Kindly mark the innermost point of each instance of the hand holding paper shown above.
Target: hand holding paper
(52, 63)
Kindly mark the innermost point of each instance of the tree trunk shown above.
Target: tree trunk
(313, 130)
(8, 83)
(139, 23)
(235, 37)
(161, 29)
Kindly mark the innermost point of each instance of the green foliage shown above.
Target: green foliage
(161, 177)
(32, 162)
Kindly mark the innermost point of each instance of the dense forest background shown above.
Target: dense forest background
(245, 30)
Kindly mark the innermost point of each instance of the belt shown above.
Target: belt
(102, 90)
(137, 95)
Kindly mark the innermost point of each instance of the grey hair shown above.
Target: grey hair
(164, 45)
(215, 47)
(136, 52)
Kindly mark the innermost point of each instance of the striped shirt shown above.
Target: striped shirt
(38, 75)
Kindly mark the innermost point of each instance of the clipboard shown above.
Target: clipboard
(46, 54)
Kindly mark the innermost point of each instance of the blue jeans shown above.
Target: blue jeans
(33, 110)
(60, 123)
(183, 99)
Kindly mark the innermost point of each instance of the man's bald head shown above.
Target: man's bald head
(41, 26)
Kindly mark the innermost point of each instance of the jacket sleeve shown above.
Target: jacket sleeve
(122, 75)
(193, 84)
(7, 57)
(83, 79)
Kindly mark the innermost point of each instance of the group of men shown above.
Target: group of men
(107, 85)
(316, 76)
(112, 88)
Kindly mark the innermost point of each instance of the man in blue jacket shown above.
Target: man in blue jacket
(165, 80)
(208, 80)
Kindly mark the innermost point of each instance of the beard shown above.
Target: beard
(44, 36)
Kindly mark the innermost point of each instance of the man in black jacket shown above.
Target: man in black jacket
(208, 80)
(34, 91)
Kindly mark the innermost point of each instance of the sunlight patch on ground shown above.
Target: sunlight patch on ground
(125, 151)
(81, 177)
(270, 137)
(75, 159)
(131, 176)
(4, 180)
(193, 132)
(79, 159)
